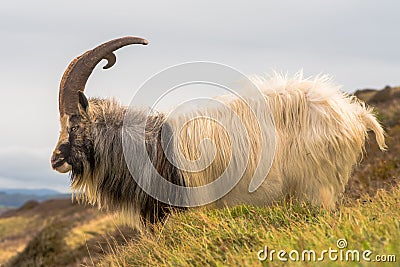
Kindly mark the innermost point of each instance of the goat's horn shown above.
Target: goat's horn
(79, 70)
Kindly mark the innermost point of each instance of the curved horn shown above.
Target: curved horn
(76, 75)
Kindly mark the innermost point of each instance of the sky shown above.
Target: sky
(356, 42)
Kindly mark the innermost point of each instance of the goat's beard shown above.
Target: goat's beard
(82, 166)
(82, 159)
(78, 171)
(82, 183)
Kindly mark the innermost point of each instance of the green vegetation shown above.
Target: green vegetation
(232, 237)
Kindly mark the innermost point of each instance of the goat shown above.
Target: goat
(320, 136)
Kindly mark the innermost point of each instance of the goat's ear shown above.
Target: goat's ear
(83, 102)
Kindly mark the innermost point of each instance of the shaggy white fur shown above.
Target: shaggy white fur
(320, 134)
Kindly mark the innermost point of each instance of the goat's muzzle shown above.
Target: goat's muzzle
(59, 162)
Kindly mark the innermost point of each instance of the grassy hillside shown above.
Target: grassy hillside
(379, 170)
(59, 233)
(232, 237)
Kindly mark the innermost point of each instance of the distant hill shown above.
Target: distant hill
(14, 198)
(36, 192)
(386, 103)
(373, 96)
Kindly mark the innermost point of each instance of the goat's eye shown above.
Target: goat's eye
(74, 129)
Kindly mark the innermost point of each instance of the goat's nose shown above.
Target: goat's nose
(53, 158)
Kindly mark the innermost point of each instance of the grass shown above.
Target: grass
(232, 237)
(11, 230)
(79, 234)
(53, 233)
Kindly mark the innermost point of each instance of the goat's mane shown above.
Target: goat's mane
(109, 183)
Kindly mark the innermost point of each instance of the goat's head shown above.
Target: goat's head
(74, 149)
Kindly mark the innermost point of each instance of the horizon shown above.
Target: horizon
(3, 189)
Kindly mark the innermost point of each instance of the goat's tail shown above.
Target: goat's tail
(371, 123)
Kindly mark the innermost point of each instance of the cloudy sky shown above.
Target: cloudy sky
(357, 42)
